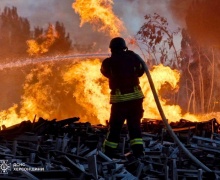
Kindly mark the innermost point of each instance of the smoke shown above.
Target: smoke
(178, 10)
(40, 13)
(11, 89)
(131, 12)
(200, 18)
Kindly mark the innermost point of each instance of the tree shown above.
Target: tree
(62, 43)
(198, 59)
(38, 32)
(158, 40)
(200, 51)
(42, 43)
(15, 31)
(51, 41)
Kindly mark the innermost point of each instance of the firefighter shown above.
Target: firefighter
(123, 70)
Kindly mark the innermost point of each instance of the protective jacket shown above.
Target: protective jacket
(123, 70)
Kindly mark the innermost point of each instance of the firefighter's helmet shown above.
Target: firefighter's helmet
(117, 43)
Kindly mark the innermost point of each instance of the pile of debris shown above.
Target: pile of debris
(69, 149)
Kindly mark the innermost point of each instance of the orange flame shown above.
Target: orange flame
(92, 89)
(89, 89)
(100, 14)
(36, 48)
(35, 100)
(161, 76)
(37, 94)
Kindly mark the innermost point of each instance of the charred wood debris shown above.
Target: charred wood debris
(70, 149)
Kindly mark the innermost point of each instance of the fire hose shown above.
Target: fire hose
(168, 127)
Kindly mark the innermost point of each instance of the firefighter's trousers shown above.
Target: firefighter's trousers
(132, 111)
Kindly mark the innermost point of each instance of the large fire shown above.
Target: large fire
(54, 91)
(44, 91)
(163, 76)
(92, 88)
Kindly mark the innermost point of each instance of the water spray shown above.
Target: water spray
(25, 62)
(168, 127)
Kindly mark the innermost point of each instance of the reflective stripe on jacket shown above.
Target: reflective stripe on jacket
(119, 97)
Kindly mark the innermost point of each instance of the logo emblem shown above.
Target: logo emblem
(4, 166)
